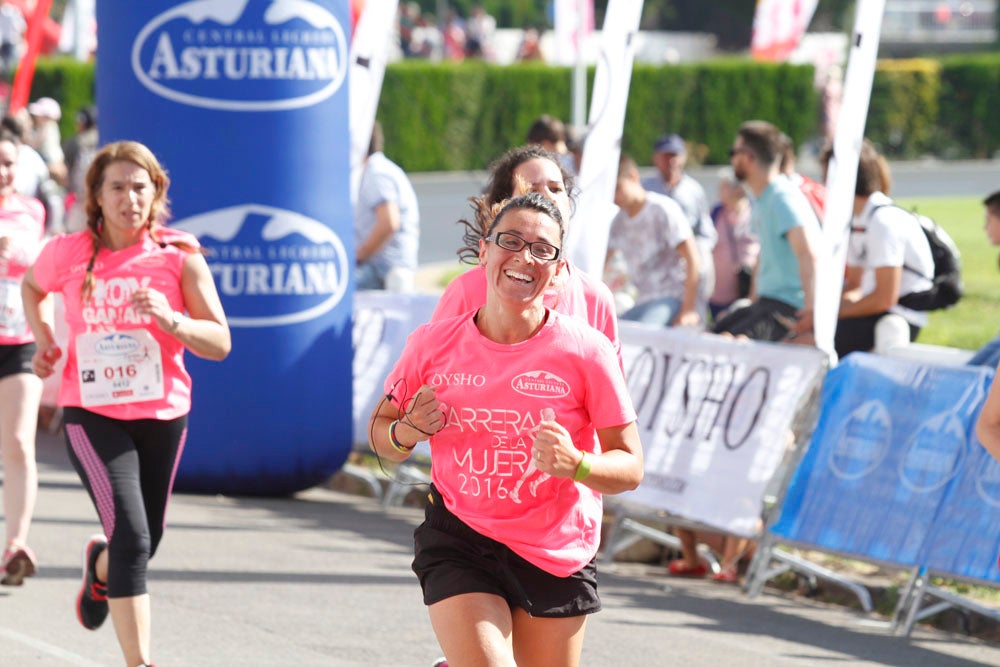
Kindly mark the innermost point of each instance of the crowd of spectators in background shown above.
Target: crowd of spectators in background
(51, 167)
(456, 37)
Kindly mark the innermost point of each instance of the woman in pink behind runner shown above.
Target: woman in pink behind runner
(529, 421)
(22, 227)
(136, 295)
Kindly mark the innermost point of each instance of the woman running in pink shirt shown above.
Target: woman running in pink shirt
(509, 391)
(127, 283)
(22, 227)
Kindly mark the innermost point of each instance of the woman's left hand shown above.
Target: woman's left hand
(152, 302)
(553, 450)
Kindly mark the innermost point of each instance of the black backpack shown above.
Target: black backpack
(947, 288)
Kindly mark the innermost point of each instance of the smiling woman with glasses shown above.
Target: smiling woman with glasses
(573, 292)
(530, 422)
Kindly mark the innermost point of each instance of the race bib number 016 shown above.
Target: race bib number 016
(119, 367)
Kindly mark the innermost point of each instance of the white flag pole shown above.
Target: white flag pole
(587, 238)
(843, 169)
(368, 57)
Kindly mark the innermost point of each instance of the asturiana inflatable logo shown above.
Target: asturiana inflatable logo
(242, 55)
(272, 267)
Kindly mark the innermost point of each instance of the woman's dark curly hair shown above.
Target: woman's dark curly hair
(500, 187)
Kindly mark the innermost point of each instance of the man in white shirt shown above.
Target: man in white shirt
(653, 237)
(888, 257)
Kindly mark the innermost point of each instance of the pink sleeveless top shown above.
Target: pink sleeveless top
(62, 266)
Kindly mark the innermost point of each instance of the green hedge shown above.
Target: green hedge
(454, 116)
(970, 104)
(705, 103)
(903, 112)
(460, 116)
(479, 110)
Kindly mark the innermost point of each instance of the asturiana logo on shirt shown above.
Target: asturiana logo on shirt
(272, 266)
(117, 344)
(215, 54)
(540, 384)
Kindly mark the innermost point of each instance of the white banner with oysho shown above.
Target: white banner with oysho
(715, 419)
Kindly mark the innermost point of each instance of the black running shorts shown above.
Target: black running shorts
(451, 559)
(16, 359)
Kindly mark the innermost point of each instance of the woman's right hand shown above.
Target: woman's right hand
(425, 413)
(43, 363)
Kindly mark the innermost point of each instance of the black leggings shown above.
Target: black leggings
(128, 468)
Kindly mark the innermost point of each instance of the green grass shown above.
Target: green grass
(976, 318)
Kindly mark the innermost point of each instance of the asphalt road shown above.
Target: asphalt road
(443, 196)
(324, 579)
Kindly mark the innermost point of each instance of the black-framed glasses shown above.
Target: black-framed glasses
(734, 150)
(514, 243)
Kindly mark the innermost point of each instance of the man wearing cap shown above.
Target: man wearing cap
(669, 158)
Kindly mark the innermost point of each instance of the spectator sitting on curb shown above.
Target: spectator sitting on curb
(888, 257)
(652, 235)
(735, 253)
(784, 281)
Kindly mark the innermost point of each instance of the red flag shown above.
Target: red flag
(357, 9)
(778, 26)
(26, 68)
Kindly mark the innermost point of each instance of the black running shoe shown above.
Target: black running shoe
(92, 602)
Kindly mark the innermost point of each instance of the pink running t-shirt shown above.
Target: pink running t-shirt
(62, 266)
(494, 396)
(578, 295)
(22, 222)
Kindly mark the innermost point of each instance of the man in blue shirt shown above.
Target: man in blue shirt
(785, 278)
